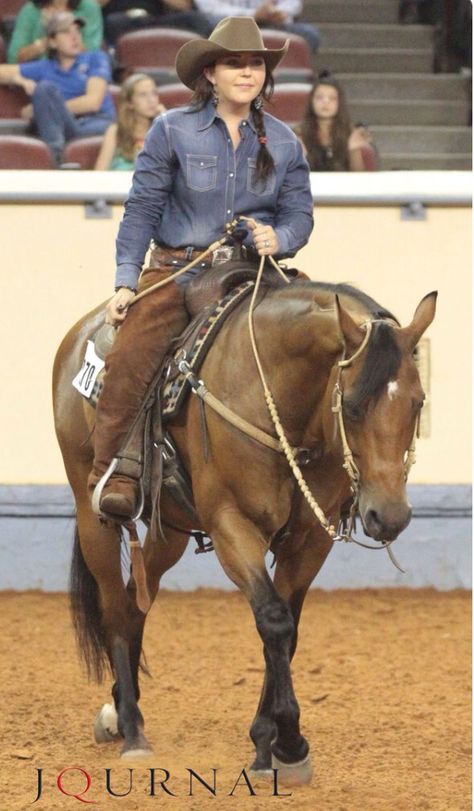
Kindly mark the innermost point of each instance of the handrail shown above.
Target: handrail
(437, 188)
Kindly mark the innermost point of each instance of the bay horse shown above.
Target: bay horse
(245, 493)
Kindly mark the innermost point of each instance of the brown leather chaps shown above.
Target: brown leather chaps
(131, 364)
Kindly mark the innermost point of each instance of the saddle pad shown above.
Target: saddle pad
(175, 390)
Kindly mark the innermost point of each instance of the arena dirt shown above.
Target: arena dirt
(382, 678)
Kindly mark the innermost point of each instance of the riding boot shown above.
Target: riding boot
(131, 365)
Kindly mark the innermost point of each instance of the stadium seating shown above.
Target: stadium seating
(83, 151)
(152, 51)
(289, 102)
(12, 99)
(174, 95)
(297, 65)
(8, 11)
(22, 152)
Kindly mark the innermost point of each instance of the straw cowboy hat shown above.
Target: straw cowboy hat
(231, 35)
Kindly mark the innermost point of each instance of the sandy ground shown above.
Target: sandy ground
(382, 678)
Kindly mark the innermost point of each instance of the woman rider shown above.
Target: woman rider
(201, 166)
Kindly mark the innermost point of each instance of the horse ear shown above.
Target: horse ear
(424, 315)
(352, 334)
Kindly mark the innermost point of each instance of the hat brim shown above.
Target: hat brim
(198, 54)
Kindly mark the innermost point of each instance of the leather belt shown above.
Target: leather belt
(176, 257)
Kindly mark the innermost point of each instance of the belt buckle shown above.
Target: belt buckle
(188, 253)
(222, 254)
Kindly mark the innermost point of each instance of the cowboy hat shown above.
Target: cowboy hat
(231, 35)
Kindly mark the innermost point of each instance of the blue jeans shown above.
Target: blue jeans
(306, 30)
(56, 125)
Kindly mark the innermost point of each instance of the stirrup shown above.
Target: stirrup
(98, 489)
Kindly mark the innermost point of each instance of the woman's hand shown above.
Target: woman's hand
(117, 307)
(359, 138)
(264, 238)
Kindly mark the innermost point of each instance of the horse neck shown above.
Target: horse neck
(298, 345)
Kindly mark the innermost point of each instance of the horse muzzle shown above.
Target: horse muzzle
(384, 521)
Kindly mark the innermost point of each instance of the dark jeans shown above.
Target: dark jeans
(56, 125)
(119, 23)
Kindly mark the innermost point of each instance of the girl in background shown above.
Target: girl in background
(331, 141)
(139, 104)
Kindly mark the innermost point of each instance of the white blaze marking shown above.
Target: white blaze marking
(392, 389)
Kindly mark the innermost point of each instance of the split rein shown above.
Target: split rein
(346, 529)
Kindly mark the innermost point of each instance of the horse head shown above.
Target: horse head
(381, 397)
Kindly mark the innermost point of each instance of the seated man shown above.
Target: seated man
(278, 14)
(68, 90)
(121, 16)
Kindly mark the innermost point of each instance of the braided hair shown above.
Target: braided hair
(203, 92)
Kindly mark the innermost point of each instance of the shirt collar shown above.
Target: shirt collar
(208, 115)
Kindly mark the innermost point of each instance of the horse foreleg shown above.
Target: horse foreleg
(295, 571)
(241, 551)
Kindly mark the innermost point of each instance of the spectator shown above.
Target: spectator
(139, 104)
(29, 40)
(121, 16)
(331, 142)
(68, 90)
(278, 14)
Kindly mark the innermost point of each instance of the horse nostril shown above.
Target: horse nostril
(373, 518)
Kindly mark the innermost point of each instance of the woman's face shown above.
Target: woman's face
(145, 100)
(325, 101)
(237, 78)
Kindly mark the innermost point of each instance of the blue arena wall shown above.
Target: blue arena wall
(37, 525)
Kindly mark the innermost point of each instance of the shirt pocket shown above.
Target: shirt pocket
(201, 172)
(260, 187)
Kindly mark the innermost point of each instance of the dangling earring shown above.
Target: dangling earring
(258, 102)
(215, 96)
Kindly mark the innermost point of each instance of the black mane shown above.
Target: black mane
(374, 309)
(382, 357)
(381, 364)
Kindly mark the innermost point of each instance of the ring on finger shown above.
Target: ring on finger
(266, 244)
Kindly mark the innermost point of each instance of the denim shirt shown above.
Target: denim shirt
(189, 182)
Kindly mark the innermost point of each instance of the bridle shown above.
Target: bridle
(348, 524)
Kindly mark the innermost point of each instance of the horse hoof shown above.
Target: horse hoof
(105, 725)
(261, 774)
(136, 753)
(294, 774)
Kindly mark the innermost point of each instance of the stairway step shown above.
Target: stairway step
(409, 87)
(351, 11)
(344, 35)
(374, 60)
(427, 162)
(416, 140)
(410, 113)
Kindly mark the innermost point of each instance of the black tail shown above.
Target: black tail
(86, 614)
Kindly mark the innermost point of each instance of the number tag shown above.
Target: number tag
(91, 366)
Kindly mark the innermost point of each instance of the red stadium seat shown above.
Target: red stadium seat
(3, 51)
(21, 152)
(174, 95)
(114, 90)
(10, 8)
(83, 151)
(12, 99)
(289, 102)
(297, 65)
(152, 51)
